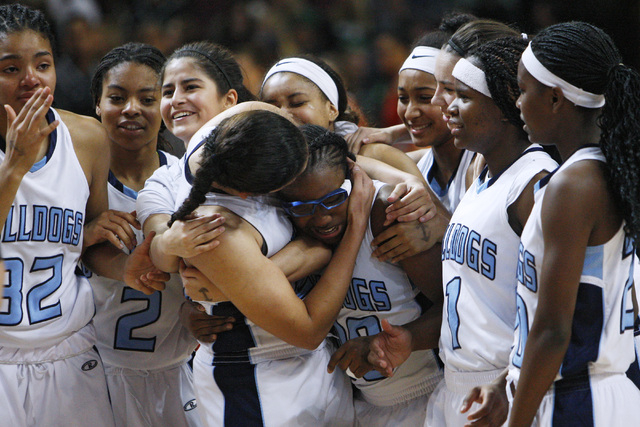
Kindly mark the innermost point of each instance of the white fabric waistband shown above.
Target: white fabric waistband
(462, 382)
(77, 343)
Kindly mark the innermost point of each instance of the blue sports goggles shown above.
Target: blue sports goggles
(328, 201)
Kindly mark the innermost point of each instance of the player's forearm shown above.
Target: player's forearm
(105, 260)
(301, 257)
(10, 180)
(161, 258)
(325, 300)
(425, 330)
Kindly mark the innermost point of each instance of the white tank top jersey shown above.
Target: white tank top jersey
(246, 342)
(479, 260)
(452, 193)
(135, 330)
(44, 300)
(159, 193)
(382, 290)
(602, 329)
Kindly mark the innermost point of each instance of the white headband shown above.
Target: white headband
(472, 76)
(309, 70)
(422, 58)
(547, 78)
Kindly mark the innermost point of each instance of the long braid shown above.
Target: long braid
(253, 152)
(586, 57)
(499, 60)
(202, 181)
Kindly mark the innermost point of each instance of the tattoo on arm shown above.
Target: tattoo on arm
(205, 294)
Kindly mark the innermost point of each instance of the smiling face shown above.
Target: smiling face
(475, 121)
(301, 98)
(445, 83)
(129, 105)
(422, 119)
(325, 225)
(189, 98)
(26, 65)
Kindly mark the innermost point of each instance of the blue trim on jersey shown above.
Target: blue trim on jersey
(586, 330)
(431, 179)
(544, 181)
(633, 373)
(53, 139)
(115, 182)
(483, 185)
(240, 390)
(187, 171)
(232, 346)
(593, 262)
(573, 402)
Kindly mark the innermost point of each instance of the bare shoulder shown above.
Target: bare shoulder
(84, 130)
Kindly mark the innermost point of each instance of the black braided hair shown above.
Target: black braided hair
(219, 64)
(449, 24)
(138, 53)
(468, 38)
(499, 61)
(17, 17)
(255, 152)
(586, 57)
(326, 149)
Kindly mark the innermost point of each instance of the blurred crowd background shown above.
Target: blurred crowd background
(365, 40)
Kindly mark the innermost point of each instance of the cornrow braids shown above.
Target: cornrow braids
(468, 38)
(16, 17)
(586, 57)
(255, 152)
(499, 61)
(326, 149)
(219, 64)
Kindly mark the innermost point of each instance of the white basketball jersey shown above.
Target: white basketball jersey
(159, 193)
(452, 193)
(602, 329)
(135, 330)
(479, 260)
(44, 300)
(382, 290)
(247, 342)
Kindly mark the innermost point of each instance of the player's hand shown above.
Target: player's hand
(403, 240)
(352, 355)
(113, 226)
(361, 197)
(367, 135)
(389, 348)
(494, 406)
(139, 271)
(204, 327)
(192, 236)
(410, 201)
(25, 137)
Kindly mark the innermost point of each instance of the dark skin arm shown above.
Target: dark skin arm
(425, 270)
(577, 212)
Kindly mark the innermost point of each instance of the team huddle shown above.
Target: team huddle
(293, 268)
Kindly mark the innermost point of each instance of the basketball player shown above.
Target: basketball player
(278, 343)
(54, 176)
(317, 203)
(573, 341)
(140, 338)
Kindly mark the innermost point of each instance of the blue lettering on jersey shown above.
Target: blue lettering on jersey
(50, 223)
(628, 247)
(526, 273)
(463, 245)
(367, 297)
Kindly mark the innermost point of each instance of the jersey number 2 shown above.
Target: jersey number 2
(124, 339)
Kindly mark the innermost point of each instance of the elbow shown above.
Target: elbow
(311, 342)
